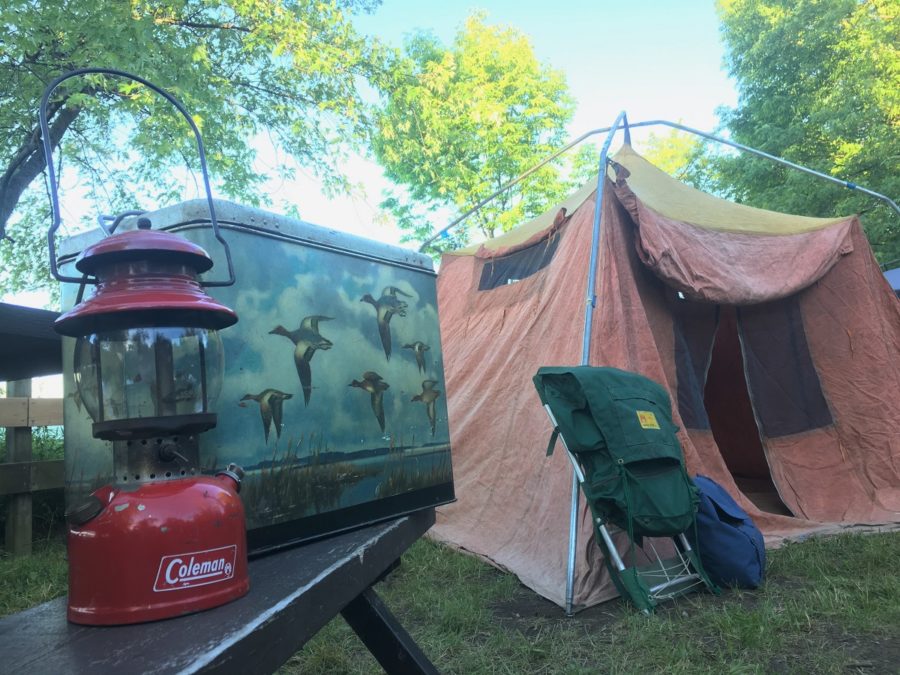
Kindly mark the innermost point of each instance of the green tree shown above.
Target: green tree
(675, 152)
(459, 122)
(286, 68)
(818, 84)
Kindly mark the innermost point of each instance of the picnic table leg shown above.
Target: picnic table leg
(384, 637)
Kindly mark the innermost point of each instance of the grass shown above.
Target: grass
(46, 443)
(828, 606)
(31, 580)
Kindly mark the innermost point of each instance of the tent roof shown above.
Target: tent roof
(670, 198)
(522, 233)
(675, 200)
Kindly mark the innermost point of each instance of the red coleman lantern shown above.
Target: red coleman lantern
(161, 539)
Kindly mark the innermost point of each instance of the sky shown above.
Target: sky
(654, 59)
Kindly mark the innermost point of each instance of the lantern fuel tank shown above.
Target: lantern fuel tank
(156, 550)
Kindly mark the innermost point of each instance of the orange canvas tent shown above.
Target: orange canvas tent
(777, 337)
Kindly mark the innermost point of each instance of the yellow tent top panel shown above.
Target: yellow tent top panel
(670, 198)
(524, 232)
(673, 199)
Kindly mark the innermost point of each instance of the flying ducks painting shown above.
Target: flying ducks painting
(419, 349)
(271, 405)
(375, 386)
(428, 396)
(307, 340)
(386, 307)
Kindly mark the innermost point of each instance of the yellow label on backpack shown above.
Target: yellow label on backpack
(647, 419)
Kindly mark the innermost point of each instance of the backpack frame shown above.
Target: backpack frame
(617, 429)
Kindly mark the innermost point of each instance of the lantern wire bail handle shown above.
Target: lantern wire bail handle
(51, 175)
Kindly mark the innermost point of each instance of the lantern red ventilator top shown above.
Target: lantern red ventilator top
(144, 278)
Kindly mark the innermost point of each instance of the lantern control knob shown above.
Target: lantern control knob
(143, 223)
(87, 510)
(168, 452)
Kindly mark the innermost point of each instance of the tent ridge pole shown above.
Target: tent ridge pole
(772, 158)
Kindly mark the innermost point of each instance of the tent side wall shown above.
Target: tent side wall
(852, 321)
(513, 501)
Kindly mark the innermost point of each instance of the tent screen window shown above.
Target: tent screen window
(509, 269)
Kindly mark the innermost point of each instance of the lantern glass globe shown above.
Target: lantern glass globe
(149, 372)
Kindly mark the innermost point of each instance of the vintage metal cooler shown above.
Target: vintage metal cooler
(333, 399)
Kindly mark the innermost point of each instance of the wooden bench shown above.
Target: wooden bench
(293, 594)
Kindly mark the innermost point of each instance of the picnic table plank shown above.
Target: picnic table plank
(293, 594)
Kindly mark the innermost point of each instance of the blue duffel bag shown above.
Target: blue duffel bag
(731, 547)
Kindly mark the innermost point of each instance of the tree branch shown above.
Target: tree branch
(29, 162)
(279, 93)
(204, 26)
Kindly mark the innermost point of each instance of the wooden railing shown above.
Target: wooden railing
(20, 475)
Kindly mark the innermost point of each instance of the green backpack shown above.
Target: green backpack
(619, 427)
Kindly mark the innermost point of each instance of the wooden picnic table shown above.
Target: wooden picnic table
(293, 594)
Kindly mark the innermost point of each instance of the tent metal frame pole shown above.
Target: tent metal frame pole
(515, 181)
(649, 123)
(590, 302)
(772, 158)
(591, 297)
